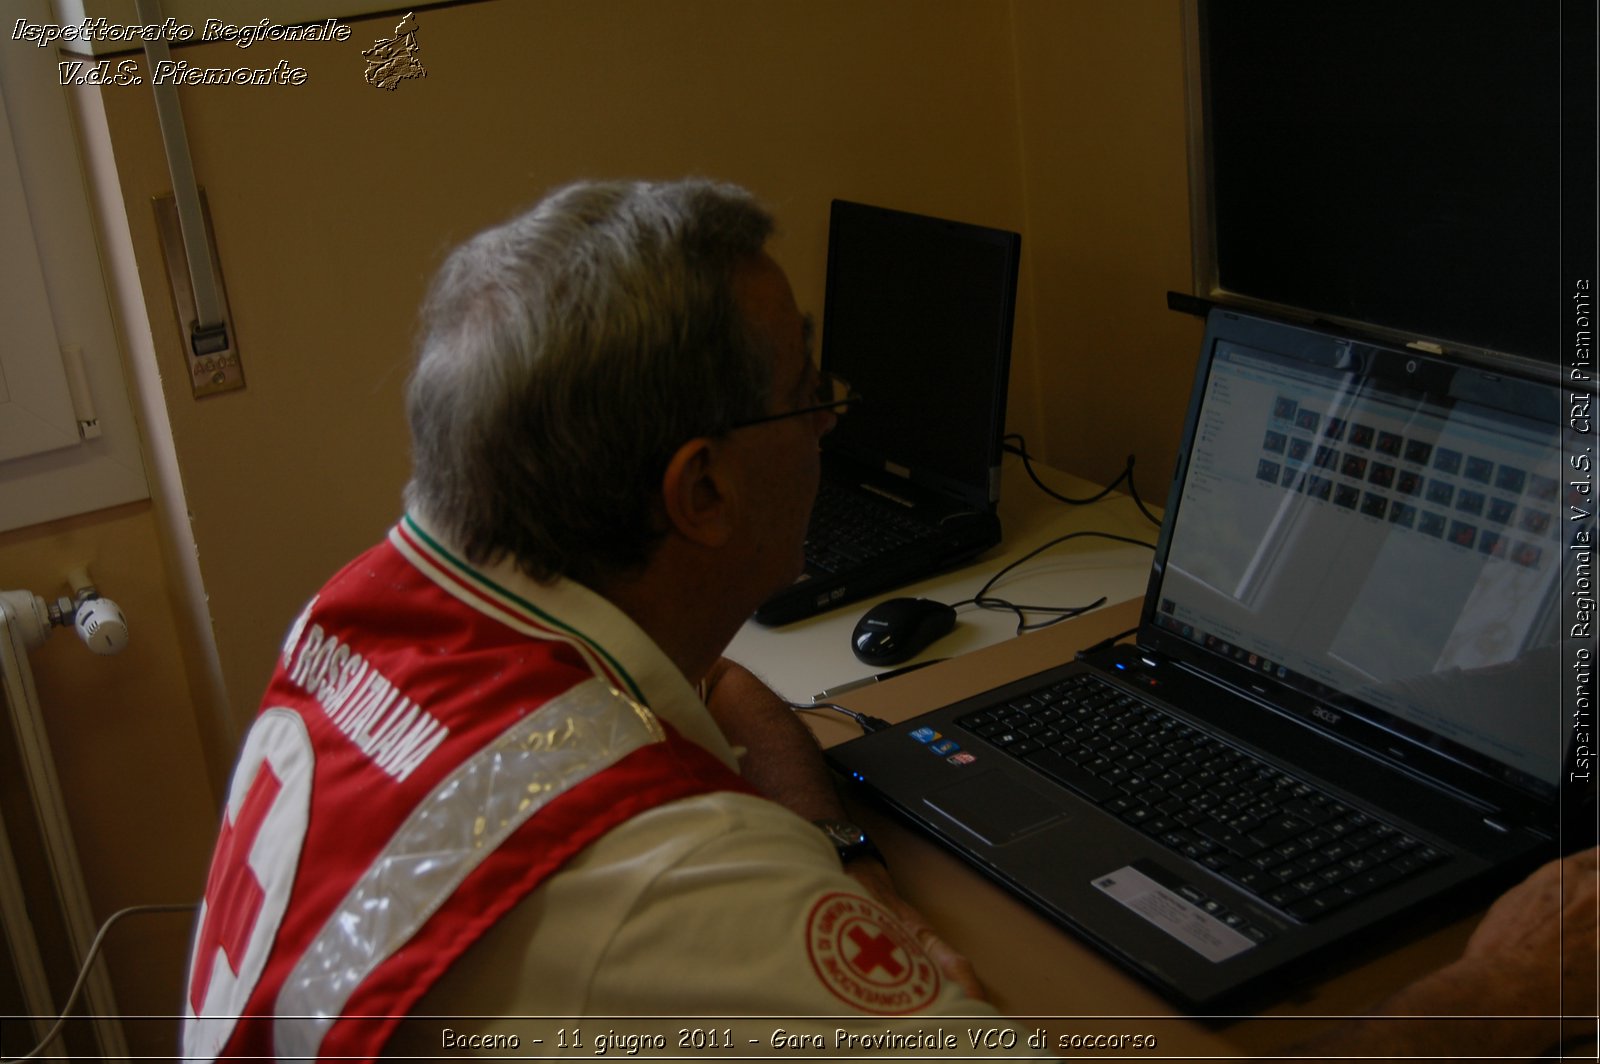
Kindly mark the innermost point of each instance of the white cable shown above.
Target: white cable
(83, 973)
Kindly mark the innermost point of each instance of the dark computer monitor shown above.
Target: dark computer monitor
(918, 318)
(1395, 166)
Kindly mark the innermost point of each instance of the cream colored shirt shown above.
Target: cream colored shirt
(713, 906)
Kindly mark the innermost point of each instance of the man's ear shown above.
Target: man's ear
(697, 493)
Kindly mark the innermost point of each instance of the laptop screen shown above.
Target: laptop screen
(918, 318)
(1379, 530)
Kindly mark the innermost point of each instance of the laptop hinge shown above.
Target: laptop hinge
(1408, 771)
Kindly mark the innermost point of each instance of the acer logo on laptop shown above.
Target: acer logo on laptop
(1327, 716)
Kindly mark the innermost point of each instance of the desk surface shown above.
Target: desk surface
(1030, 966)
(801, 659)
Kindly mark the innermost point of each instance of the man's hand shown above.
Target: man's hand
(783, 762)
(1536, 946)
(952, 963)
(1534, 953)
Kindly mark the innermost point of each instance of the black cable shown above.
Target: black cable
(1035, 552)
(1020, 449)
(1133, 493)
(1063, 613)
(983, 600)
(1108, 641)
(867, 722)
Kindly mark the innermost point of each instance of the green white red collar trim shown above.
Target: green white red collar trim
(474, 587)
(614, 647)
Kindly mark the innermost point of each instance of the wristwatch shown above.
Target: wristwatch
(849, 841)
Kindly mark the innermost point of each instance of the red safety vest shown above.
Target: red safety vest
(430, 749)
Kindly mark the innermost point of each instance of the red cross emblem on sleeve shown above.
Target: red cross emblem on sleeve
(233, 891)
(874, 952)
(866, 958)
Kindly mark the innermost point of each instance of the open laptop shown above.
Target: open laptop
(918, 319)
(1344, 702)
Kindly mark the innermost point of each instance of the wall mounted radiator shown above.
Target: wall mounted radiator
(25, 622)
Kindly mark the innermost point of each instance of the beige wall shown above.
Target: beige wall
(1101, 95)
(333, 201)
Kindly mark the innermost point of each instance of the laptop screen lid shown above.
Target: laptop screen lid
(918, 317)
(1370, 539)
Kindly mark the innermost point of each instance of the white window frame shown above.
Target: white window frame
(74, 473)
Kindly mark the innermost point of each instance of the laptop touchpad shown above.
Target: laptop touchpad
(995, 807)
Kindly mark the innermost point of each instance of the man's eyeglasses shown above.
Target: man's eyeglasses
(832, 393)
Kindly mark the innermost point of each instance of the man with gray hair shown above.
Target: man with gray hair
(502, 768)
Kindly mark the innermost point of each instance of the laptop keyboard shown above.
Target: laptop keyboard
(1284, 840)
(848, 527)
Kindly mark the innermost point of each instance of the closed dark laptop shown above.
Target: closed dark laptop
(918, 318)
(1344, 702)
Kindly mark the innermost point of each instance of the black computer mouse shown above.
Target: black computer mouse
(898, 628)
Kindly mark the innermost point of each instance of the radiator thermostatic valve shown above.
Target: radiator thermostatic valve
(97, 620)
(99, 623)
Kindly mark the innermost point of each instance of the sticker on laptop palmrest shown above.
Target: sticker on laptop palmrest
(1173, 913)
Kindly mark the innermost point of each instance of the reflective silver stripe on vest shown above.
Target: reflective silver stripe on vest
(451, 832)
